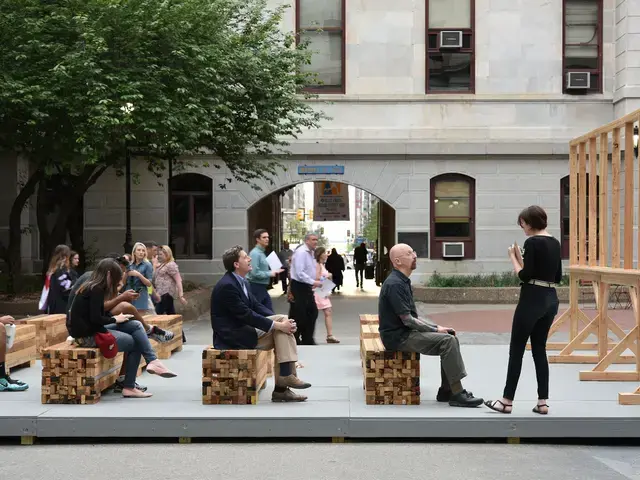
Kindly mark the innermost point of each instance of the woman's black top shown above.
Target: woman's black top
(542, 259)
(87, 316)
(59, 288)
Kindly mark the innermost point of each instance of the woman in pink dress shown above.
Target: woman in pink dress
(324, 303)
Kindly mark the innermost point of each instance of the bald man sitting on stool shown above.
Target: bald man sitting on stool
(402, 330)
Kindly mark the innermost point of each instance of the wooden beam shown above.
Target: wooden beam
(582, 205)
(615, 200)
(631, 117)
(573, 205)
(604, 212)
(593, 201)
(628, 195)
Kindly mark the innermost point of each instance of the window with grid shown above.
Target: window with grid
(582, 35)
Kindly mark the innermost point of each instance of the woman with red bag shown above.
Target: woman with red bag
(91, 326)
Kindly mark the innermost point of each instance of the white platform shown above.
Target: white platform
(336, 406)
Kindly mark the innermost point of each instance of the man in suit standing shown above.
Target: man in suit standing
(240, 322)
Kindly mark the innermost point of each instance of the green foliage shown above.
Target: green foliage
(504, 279)
(82, 80)
(370, 231)
(294, 230)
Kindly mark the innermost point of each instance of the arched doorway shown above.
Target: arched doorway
(268, 213)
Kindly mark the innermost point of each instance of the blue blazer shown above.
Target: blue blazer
(235, 316)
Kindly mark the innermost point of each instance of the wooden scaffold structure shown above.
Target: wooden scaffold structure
(597, 223)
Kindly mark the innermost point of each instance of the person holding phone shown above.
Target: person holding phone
(539, 271)
(140, 277)
(87, 317)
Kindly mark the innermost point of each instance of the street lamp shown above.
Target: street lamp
(127, 109)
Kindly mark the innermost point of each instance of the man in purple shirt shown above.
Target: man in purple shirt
(303, 280)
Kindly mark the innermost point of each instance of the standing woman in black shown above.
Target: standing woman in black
(540, 272)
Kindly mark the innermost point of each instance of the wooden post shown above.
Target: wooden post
(615, 200)
(593, 202)
(604, 182)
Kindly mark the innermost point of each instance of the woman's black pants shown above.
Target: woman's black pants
(533, 317)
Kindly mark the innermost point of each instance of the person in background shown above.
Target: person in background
(140, 277)
(74, 263)
(360, 256)
(261, 273)
(285, 259)
(88, 317)
(324, 303)
(7, 384)
(539, 273)
(401, 329)
(123, 303)
(59, 279)
(152, 253)
(167, 283)
(335, 266)
(303, 308)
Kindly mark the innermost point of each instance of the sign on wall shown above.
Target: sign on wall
(320, 169)
(331, 202)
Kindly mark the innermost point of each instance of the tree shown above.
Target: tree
(370, 231)
(85, 82)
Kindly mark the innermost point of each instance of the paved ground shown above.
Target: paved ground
(315, 461)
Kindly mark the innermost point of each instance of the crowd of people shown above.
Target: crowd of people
(105, 307)
(112, 299)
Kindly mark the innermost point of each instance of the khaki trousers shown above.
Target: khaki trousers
(283, 344)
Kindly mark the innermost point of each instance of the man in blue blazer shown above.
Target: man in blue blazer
(240, 322)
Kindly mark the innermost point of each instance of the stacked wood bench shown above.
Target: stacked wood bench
(24, 351)
(77, 375)
(234, 377)
(390, 378)
(171, 323)
(50, 330)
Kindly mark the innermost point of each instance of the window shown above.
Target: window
(450, 69)
(582, 36)
(190, 214)
(565, 208)
(452, 213)
(321, 24)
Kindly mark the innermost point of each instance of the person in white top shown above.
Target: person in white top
(303, 280)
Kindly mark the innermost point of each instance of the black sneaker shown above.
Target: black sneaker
(465, 399)
(444, 395)
(119, 386)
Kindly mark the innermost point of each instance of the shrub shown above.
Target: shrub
(503, 279)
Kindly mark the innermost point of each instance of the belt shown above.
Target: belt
(540, 283)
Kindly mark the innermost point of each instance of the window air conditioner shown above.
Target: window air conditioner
(578, 80)
(453, 250)
(451, 39)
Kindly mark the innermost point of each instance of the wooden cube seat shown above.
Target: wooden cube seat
(368, 318)
(390, 378)
(234, 377)
(24, 352)
(77, 375)
(171, 323)
(50, 330)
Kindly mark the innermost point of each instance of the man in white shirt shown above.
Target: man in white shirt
(303, 280)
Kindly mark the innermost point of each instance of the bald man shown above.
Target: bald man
(402, 330)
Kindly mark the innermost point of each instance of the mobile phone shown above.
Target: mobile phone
(139, 290)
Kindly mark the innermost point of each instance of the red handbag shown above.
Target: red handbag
(106, 342)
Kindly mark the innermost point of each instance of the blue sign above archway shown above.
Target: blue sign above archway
(320, 169)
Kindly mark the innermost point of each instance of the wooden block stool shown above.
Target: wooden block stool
(23, 353)
(366, 318)
(390, 378)
(234, 377)
(75, 375)
(171, 323)
(50, 330)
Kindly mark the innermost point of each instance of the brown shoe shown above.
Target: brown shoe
(291, 381)
(287, 396)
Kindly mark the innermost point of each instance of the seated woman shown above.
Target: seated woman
(7, 384)
(87, 317)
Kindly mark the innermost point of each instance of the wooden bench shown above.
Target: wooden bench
(234, 377)
(23, 353)
(390, 378)
(77, 375)
(50, 330)
(367, 319)
(171, 323)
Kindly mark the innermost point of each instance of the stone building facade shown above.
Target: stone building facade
(455, 140)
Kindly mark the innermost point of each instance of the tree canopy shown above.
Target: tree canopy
(83, 81)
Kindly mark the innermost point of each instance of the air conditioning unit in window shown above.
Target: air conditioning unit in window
(578, 80)
(450, 39)
(453, 250)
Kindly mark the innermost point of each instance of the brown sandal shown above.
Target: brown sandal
(493, 405)
(537, 410)
(332, 339)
